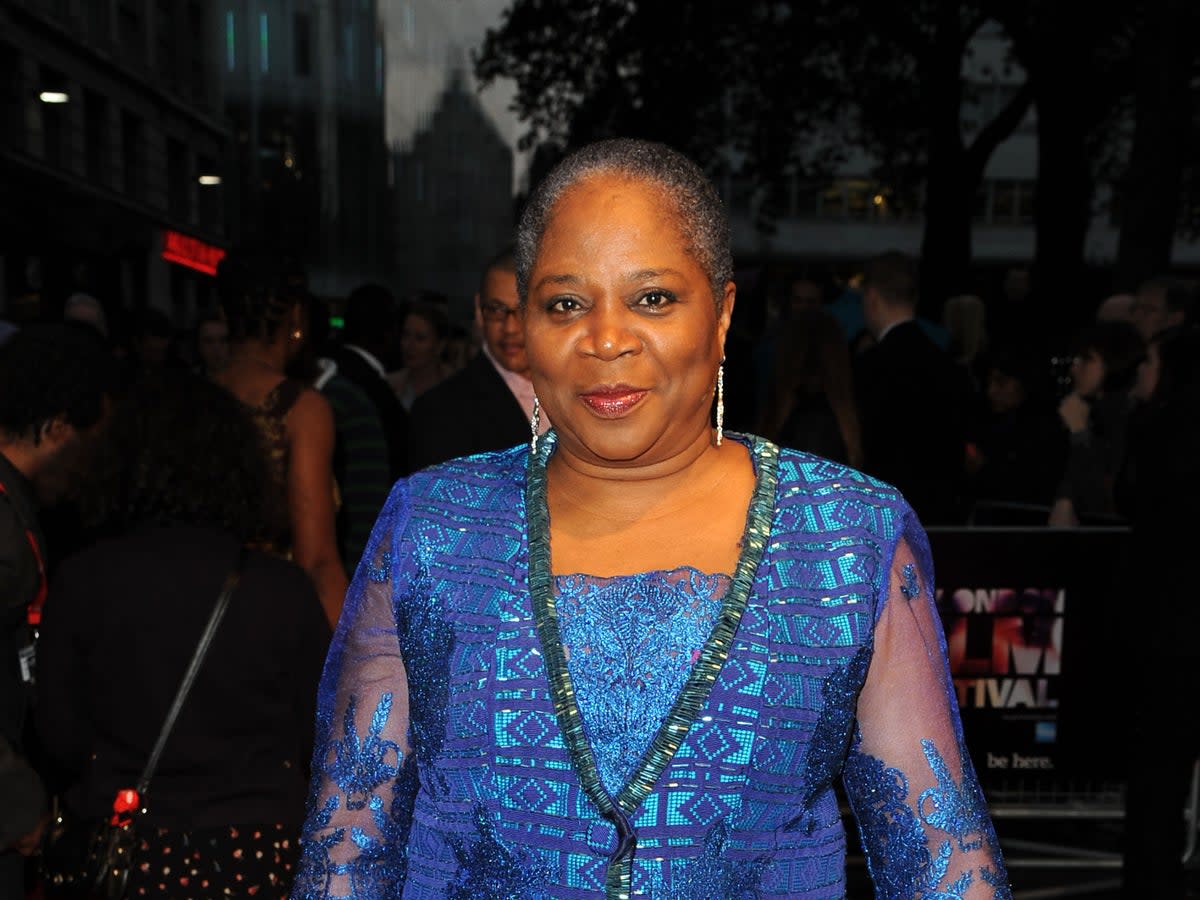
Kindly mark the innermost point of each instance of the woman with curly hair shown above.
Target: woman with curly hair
(179, 490)
(266, 309)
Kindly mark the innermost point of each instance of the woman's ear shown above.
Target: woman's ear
(725, 313)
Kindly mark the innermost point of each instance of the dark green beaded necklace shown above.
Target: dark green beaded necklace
(700, 680)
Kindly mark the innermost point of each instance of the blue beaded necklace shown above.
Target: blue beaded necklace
(703, 675)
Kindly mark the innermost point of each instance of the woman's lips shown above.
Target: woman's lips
(613, 402)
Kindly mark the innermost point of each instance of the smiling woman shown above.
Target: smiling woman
(635, 657)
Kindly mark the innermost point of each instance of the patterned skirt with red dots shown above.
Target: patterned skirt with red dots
(238, 861)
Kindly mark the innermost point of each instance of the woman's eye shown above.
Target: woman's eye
(655, 299)
(562, 305)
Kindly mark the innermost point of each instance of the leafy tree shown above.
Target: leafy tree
(1159, 189)
(776, 90)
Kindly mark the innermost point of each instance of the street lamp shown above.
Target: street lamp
(209, 180)
(53, 97)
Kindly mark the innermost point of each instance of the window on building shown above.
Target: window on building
(165, 61)
(208, 197)
(833, 202)
(130, 29)
(179, 182)
(132, 156)
(264, 43)
(10, 103)
(230, 41)
(302, 44)
(197, 82)
(95, 137)
(54, 119)
(1004, 202)
(99, 23)
(859, 195)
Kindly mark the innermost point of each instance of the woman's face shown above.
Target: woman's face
(1087, 373)
(623, 333)
(419, 344)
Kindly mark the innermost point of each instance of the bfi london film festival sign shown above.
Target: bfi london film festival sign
(1026, 618)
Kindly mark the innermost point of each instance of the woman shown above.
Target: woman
(811, 396)
(180, 483)
(1095, 414)
(637, 658)
(267, 322)
(422, 347)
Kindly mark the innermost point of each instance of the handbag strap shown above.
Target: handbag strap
(189, 676)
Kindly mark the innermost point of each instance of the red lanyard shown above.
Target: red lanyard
(34, 610)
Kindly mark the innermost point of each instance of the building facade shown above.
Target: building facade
(110, 113)
(303, 86)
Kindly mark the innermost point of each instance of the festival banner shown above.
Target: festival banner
(1032, 619)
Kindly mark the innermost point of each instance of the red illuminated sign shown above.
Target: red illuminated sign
(191, 252)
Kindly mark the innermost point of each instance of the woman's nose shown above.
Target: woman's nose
(609, 334)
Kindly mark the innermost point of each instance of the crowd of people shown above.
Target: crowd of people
(133, 478)
(976, 420)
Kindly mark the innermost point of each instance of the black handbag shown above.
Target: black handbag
(86, 858)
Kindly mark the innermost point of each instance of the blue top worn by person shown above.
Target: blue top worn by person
(636, 660)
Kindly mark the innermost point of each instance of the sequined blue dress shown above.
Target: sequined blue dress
(487, 729)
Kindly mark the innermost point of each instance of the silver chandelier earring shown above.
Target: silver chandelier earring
(720, 402)
(534, 422)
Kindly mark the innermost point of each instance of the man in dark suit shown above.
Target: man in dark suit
(487, 405)
(912, 398)
(370, 324)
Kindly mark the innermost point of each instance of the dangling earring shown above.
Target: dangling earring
(297, 335)
(720, 402)
(534, 422)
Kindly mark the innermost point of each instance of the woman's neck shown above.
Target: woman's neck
(636, 492)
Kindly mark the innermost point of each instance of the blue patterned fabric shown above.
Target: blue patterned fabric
(441, 771)
(631, 642)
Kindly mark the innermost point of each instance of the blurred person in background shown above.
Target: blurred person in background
(489, 403)
(1018, 448)
(1162, 303)
(368, 342)
(179, 487)
(268, 324)
(810, 403)
(913, 400)
(1095, 414)
(87, 309)
(965, 319)
(212, 343)
(55, 388)
(423, 339)
(360, 450)
(1159, 493)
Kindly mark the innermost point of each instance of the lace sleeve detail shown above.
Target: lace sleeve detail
(364, 776)
(921, 813)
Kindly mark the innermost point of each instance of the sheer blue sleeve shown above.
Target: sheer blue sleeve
(363, 773)
(921, 814)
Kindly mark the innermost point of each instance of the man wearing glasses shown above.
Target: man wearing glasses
(488, 404)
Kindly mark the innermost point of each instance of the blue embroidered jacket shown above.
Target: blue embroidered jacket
(441, 769)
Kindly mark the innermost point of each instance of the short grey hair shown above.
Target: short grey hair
(701, 214)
